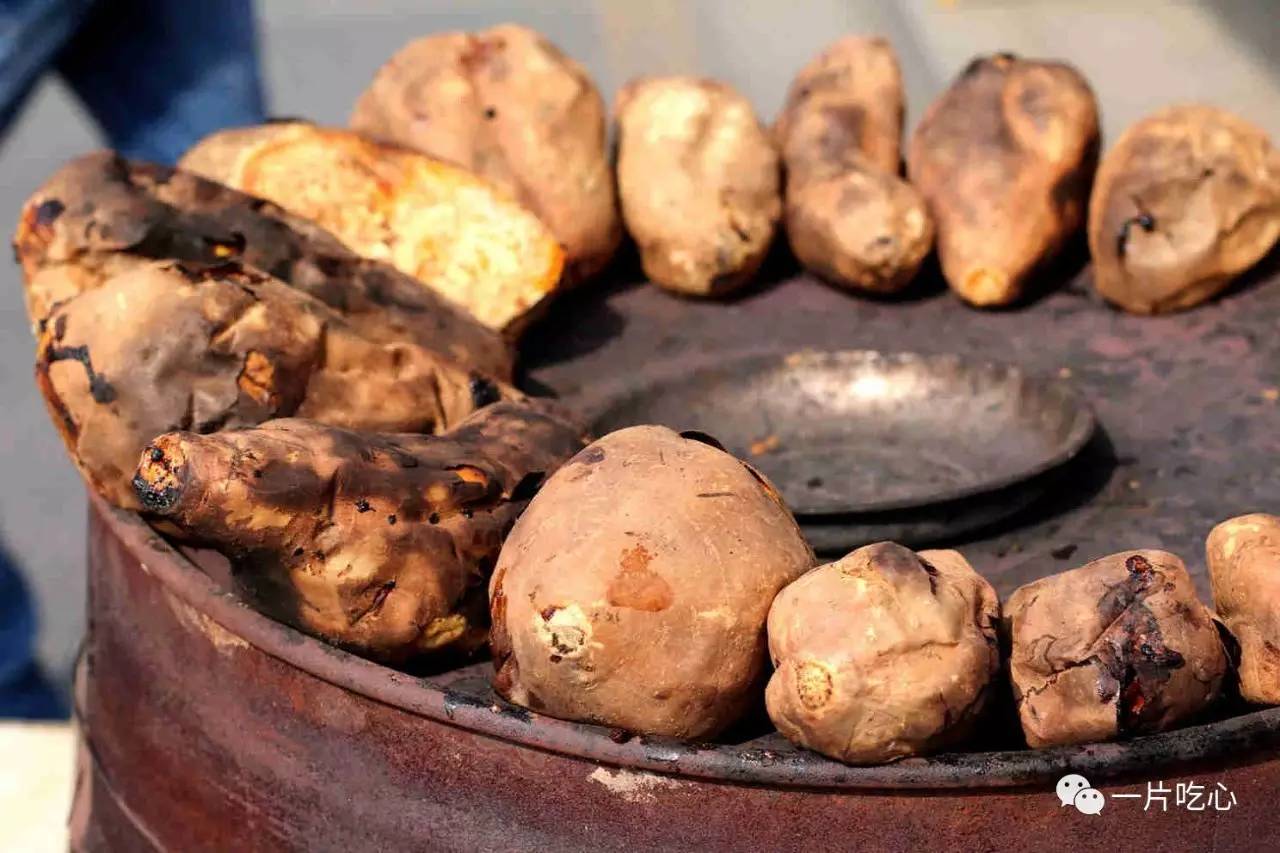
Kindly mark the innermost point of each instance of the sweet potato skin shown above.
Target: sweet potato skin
(699, 183)
(633, 592)
(379, 543)
(1186, 200)
(508, 105)
(883, 654)
(1244, 568)
(849, 217)
(1118, 647)
(1005, 158)
(100, 215)
(170, 345)
(453, 231)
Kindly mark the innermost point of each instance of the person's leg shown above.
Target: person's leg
(24, 692)
(158, 75)
(32, 33)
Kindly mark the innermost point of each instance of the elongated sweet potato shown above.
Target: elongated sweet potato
(456, 233)
(1244, 568)
(170, 346)
(634, 590)
(699, 183)
(1119, 647)
(849, 217)
(883, 654)
(1188, 199)
(508, 105)
(379, 543)
(101, 214)
(1005, 158)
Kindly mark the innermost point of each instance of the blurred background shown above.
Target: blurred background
(317, 55)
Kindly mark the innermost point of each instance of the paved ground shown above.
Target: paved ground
(320, 54)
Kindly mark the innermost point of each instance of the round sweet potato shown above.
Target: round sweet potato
(849, 217)
(699, 183)
(508, 105)
(1244, 568)
(1005, 158)
(633, 592)
(883, 654)
(1118, 647)
(1188, 199)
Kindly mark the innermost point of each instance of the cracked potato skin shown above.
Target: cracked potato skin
(1121, 646)
(849, 217)
(633, 592)
(379, 543)
(699, 182)
(1244, 570)
(168, 346)
(508, 105)
(101, 214)
(1186, 201)
(883, 654)
(1005, 159)
(458, 234)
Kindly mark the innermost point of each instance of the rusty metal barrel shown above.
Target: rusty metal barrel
(206, 726)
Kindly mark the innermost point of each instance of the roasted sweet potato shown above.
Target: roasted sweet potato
(1005, 158)
(170, 346)
(100, 215)
(458, 234)
(633, 592)
(883, 654)
(1121, 646)
(1187, 200)
(379, 543)
(699, 182)
(508, 105)
(1244, 568)
(849, 217)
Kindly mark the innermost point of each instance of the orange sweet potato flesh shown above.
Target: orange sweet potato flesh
(457, 233)
(170, 345)
(508, 105)
(1187, 200)
(1005, 158)
(379, 543)
(101, 214)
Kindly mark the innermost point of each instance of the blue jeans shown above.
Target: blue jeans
(156, 75)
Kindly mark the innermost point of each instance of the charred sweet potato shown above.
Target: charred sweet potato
(171, 346)
(849, 217)
(1118, 647)
(633, 592)
(883, 654)
(508, 105)
(379, 543)
(455, 232)
(100, 215)
(1188, 199)
(699, 182)
(1005, 158)
(1244, 568)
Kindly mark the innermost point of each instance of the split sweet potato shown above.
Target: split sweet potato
(849, 217)
(633, 592)
(1244, 568)
(1187, 200)
(455, 232)
(378, 543)
(170, 345)
(508, 105)
(698, 178)
(1005, 159)
(100, 215)
(1121, 646)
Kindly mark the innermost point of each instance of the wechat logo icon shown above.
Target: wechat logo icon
(1074, 790)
